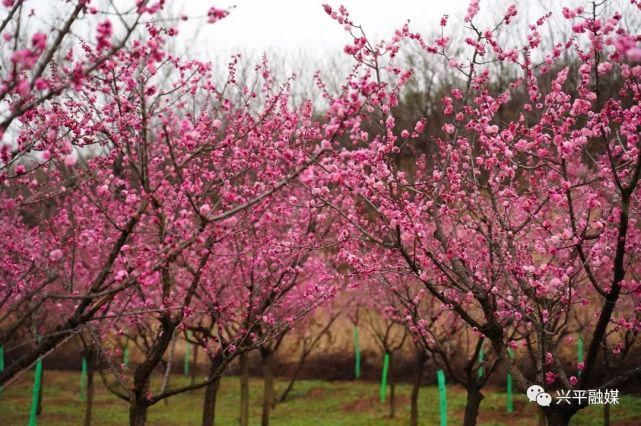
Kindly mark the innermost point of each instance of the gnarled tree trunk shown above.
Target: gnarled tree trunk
(209, 402)
(89, 356)
(421, 357)
(244, 390)
(137, 409)
(474, 398)
(138, 395)
(267, 357)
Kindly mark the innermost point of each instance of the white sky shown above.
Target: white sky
(293, 26)
(303, 24)
(299, 31)
(289, 27)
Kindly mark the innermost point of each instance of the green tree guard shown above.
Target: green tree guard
(83, 380)
(481, 358)
(357, 352)
(510, 398)
(579, 348)
(384, 377)
(125, 358)
(440, 376)
(36, 393)
(186, 363)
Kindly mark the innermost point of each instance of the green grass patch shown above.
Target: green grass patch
(311, 403)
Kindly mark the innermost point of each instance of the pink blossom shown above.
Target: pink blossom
(39, 41)
(104, 32)
(24, 57)
(448, 128)
(472, 10)
(70, 160)
(121, 275)
(634, 54)
(550, 377)
(492, 130)
(204, 210)
(23, 88)
(55, 255)
(604, 68)
(214, 14)
(41, 84)
(102, 190)
(510, 14)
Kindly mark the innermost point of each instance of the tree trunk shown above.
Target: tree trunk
(138, 400)
(267, 357)
(244, 390)
(416, 387)
(209, 403)
(557, 418)
(606, 415)
(138, 395)
(474, 398)
(90, 387)
(137, 410)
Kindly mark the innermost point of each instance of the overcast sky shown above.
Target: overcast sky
(302, 24)
(300, 29)
(292, 26)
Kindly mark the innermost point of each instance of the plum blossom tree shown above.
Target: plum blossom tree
(273, 276)
(512, 224)
(250, 293)
(145, 176)
(39, 72)
(441, 334)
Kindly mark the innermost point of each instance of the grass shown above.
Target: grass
(312, 403)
